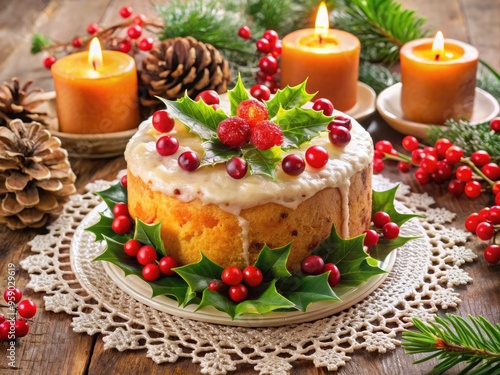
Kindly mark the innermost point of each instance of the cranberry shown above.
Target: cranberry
(456, 187)
(480, 158)
(27, 309)
(472, 221)
(166, 264)
(371, 238)
(323, 104)
(422, 177)
(494, 214)
(417, 156)
(232, 275)
(263, 45)
(495, 189)
(492, 253)
(125, 46)
(167, 145)
(92, 28)
(244, 32)
(444, 170)
(77, 42)
(464, 173)
(146, 255)
(378, 166)
(384, 146)
(121, 224)
(134, 31)
(49, 61)
(404, 166)
(146, 44)
(22, 327)
(428, 150)
(188, 161)
(293, 165)
(252, 276)
(380, 218)
(260, 92)
(238, 293)
(131, 247)
(124, 181)
(390, 230)
(271, 35)
(453, 154)
(268, 64)
(277, 49)
(429, 164)
(491, 170)
(472, 189)
(483, 213)
(120, 209)
(216, 286)
(340, 121)
(316, 156)
(126, 11)
(12, 295)
(495, 124)
(139, 19)
(312, 265)
(209, 97)
(441, 146)
(5, 332)
(339, 136)
(237, 167)
(151, 272)
(163, 121)
(410, 143)
(485, 231)
(334, 276)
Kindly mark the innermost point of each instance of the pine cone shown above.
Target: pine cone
(18, 102)
(35, 175)
(179, 65)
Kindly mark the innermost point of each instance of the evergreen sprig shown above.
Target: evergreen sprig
(454, 340)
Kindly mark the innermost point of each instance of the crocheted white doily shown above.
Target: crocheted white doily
(421, 281)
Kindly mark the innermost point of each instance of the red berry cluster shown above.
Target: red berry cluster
(486, 225)
(382, 226)
(239, 281)
(16, 327)
(122, 223)
(315, 265)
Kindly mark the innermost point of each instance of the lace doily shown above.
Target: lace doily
(420, 283)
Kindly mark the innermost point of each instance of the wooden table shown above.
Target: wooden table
(53, 348)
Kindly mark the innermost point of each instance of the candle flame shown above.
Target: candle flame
(438, 46)
(95, 53)
(322, 22)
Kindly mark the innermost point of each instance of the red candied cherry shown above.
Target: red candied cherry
(293, 165)
(277, 49)
(120, 209)
(340, 121)
(271, 35)
(325, 105)
(49, 61)
(252, 111)
(126, 11)
(485, 230)
(12, 295)
(124, 181)
(381, 218)
(371, 238)
(22, 327)
(146, 44)
(167, 145)
(441, 146)
(234, 132)
(472, 189)
(491, 170)
(494, 214)
(146, 255)
(339, 136)
(252, 276)
(422, 177)
(378, 166)
(163, 121)
(464, 173)
(456, 187)
(26, 308)
(390, 230)
(417, 156)
(429, 164)
(312, 265)
(266, 134)
(238, 293)
(121, 224)
(139, 19)
(125, 46)
(472, 221)
(244, 32)
(151, 272)
(410, 143)
(216, 286)
(77, 42)
(268, 64)
(316, 156)
(263, 45)
(492, 254)
(166, 264)
(495, 124)
(480, 158)
(260, 92)
(92, 28)
(236, 167)
(188, 161)
(384, 146)
(334, 276)
(134, 31)
(404, 166)
(232, 275)
(132, 247)
(453, 154)
(210, 97)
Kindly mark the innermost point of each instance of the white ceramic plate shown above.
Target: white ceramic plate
(389, 106)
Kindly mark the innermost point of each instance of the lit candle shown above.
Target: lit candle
(328, 58)
(96, 91)
(438, 80)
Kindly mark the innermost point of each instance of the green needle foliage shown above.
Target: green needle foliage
(453, 340)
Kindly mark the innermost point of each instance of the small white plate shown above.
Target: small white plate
(389, 106)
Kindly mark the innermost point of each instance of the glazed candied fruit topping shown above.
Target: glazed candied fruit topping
(234, 132)
(252, 111)
(266, 134)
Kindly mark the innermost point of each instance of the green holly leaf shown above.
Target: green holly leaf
(116, 193)
(216, 152)
(198, 275)
(300, 125)
(304, 290)
(219, 301)
(149, 234)
(237, 95)
(384, 246)
(39, 41)
(384, 201)
(288, 98)
(272, 262)
(114, 253)
(173, 286)
(262, 162)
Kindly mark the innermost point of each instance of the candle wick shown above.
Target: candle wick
(94, 64)
(320, 39)
(436, 58)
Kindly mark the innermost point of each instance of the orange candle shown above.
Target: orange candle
(96, 93)
(328, 58)
(438, 80)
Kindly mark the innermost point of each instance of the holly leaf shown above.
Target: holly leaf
(149, 234)
(384, 246)
(39, 41)
(216, 152)
(173, 286)
(384, 201)
(262, 162)
(198, 275)
(288, 98)
(114, 253)
(300, 125)
(116, 193)
(237, 95)
(272, 262)
(304, 290)
(219, 301)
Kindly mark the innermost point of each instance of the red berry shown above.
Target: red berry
(472, 189)
(430, 151)
(495, 124)
(236, 167)
(325, 105)
(404, 166)
(234, 132)
(188, 161)
(371, 238)
(480, 158)
(77, 42)
(316, 156)
(163, 121)
(340, 121)
(263, 45)
(495, 189)
(167, 145)
(146, 255)
(126, 11)
(417, 156)
(472, 221)
(132, 247)
(146, 44)
(422, 177)
(5, 331)
(139, 19)
(429, 164)
(378, 166)
(483, 214)
(244, 32)
(293, 165)
(384, 146)
(2, 319)
(151, 272)
(134, 31)
(334, 276)
(492, 253)
(497, 198)
(410, 143)
(121, 224)
(92, 28)
(265, 135)
(123, 181)
(378, 155)
(390, 230)
(444, 170)
(49, 61)
(485, 231)
(209, 97)
(125, 46)
(216, 286)
(441, 146)
(277, 49)
(232, 275)
(22, 327)
(12, 295)
(238, 293)
(272, 85)
(339, 136)
(464, 173)
(268, 64)
(252, 276)
(260, 92)
(491, 170)
(252, 111)
(454, 154)
(26, 308)
(456, 187)
(120, 209)
(271, 35)
(312, 265)
(494, 214)
(167, 263)
(380, 218)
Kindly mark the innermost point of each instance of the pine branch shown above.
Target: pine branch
(377, 76)
(454, 340)
(488, 79)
